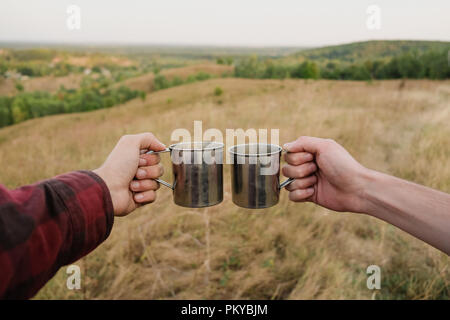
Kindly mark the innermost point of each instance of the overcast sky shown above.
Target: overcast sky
(230, 22)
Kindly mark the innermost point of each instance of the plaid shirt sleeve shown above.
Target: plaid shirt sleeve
(47, 225)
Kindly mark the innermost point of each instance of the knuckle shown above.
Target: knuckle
(300, 194)
(300, 184)
(303, 157)
(303, 171)
(290, 158)
(328, 144)
(153, 159)
(153, 185)
(295, 159)
(147, 184)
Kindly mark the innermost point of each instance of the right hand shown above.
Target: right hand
(325, 173)
(129, 175)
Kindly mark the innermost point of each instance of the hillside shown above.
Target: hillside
(377, 49)
(291, 251)
(145, 82)
(46, 83)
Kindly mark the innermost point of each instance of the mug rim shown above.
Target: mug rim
(254, 154)
(216, 145)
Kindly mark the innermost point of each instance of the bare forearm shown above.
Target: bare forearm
(418, 210)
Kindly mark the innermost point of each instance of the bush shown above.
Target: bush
(3, 68)
(202, 76)
(250, 67)
(306, 70)
(19, 87)
(176, 82)
(275, 71)
(160, 82)
(218, 91)
(5, 111)
(26, 70)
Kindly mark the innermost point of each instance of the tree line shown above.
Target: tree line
(92, 95)
(413, 65)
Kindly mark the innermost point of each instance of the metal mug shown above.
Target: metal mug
(197, 169)
(255, 175)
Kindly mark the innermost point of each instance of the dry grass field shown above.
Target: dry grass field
(290, 251)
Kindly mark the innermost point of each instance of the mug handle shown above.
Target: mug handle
(168, 185)
(287, 181)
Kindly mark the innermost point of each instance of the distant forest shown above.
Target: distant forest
(356, 61)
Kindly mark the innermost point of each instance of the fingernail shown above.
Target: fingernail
(310, 190)
(142, 162)
(286, 146)
(139, 196)
(141, 173)
(134, 184)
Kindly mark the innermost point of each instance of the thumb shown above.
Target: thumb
(304, 144)
(148, 141)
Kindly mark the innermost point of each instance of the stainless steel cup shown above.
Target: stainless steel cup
(197, 169)
(255, 175)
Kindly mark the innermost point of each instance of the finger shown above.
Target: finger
(144, 185)
(298, 158)
(148, 141)
(149, 159)
(302, 183)
(301, 194)
(304, 143)
(145, 197)
(300, 171)
(150, 172)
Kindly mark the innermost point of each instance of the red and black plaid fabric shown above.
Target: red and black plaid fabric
(47, 225)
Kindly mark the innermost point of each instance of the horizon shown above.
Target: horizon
(10, 44)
